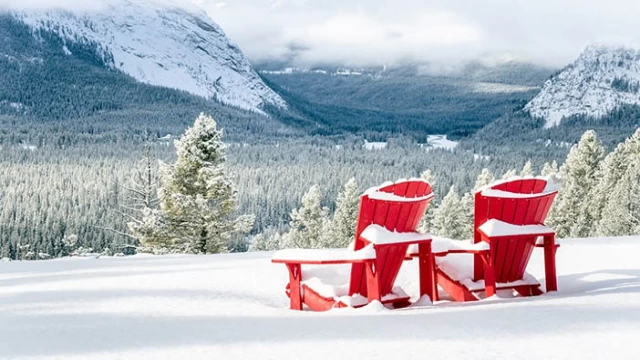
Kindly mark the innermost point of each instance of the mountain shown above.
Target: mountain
(601, 80)
(163, 45)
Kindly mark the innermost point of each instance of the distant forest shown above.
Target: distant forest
(73, 133)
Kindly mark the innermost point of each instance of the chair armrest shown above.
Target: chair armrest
(324, 256)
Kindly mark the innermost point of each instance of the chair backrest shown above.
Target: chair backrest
(517, 201)
(398, 207)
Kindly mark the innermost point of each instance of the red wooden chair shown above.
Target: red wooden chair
(387, 222)
(509, 217)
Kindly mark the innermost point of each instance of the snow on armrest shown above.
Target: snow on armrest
(495, 227)
(323, 256)
(379, 235)
(441, 246)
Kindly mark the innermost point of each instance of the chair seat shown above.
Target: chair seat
(497, 228)
(459, 268)
(332, 285)
(442, 246)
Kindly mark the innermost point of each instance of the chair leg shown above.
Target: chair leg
(489, 276)
(295, 296)
(478, 267)
(428, 284)
(550, 262)
(373, 283)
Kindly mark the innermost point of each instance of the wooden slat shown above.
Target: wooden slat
(527, 186)
(522, 206)
(514, 186)
(539, 186)
(502, 187)
(509, 210)
(393, 216)
(547, 207)
(495, 208)
(386, 267)
(512, 256)
(403, 214)
(542, 210)
(401, 189)
(413, 226)
(526, 255)
(512, 270)
(413, 212)
(395, 265)
(380, 213)
(500, 256)
(532, 209)
(365, 218)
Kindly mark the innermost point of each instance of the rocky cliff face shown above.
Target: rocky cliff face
(162, 45)
(599, 81)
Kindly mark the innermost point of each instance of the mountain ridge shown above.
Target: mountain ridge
(599, 81)
(163, 45)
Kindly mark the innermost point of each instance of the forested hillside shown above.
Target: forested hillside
(405, 99)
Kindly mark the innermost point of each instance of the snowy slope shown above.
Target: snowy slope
(600, 80)
(234, 307)
(165, 45)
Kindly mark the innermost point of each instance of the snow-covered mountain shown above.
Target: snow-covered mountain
(600, 80)
(162, 44)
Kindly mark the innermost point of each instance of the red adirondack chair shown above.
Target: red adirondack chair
(509, 216)
(387, 222)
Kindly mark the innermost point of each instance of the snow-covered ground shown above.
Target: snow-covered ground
(234, 307)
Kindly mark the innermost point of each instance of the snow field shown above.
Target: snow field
(233, 307)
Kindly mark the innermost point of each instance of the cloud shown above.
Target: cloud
(375, 32)
(549, 32)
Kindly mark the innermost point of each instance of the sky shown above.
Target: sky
(546, 32)
(446, 32)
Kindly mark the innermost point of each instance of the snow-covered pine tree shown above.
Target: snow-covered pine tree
(197, 197)
(265, 242)
(509, 174)
(466, 203)
(309, 223)
(485, 178)
(615, 201)
(570, 214)
(427, 218)
(449, 217)
(343, 227)
(548, 169)
(146, 221)
(527, 170)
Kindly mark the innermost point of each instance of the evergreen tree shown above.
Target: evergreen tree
(509, 174)
(309, 223)
(527, 170)
(265, 242)
(548, 169)
(343, 226)
(449, 218)
(427, 218)
(615, 200)
(198, 199)
(485, 178)
(570, 214)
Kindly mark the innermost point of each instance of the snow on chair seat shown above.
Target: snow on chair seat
(386, 226)
(509, 217)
